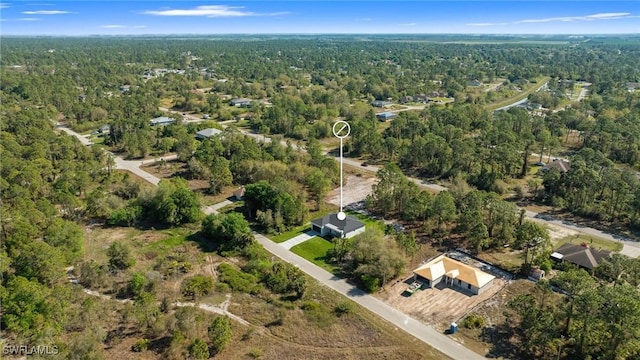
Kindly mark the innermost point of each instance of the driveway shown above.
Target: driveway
(299, 239)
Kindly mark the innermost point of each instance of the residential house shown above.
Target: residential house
(453, 273)
(125, 88)
(475, 83)
(162, 120)
(632, 86)
(104, 129)
(240, 102)
(385, 116)
(331, 225)
(560, 164)
(207, 133)
(381, 103)
(239, 194)
(581, 255)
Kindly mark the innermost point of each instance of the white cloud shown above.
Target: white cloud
(46, 12)
(408, 24)
(599, 16)
(28, 19)
(210, 11)
(140, 26)
(364, 19)
(113, 26)
(4, 5)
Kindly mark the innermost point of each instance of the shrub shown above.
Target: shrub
(199, 349)
(344, 307)
(371, 284)
(316, 313)
(255, 353)
(141, 345)
(197, 285)
(473, 321)
(237, 280)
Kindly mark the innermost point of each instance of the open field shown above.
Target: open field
(356, 189)
(277, 328)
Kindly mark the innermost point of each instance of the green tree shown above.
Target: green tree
(199, 349)
(220, 333)
(230, 229)
(319, 185)
(120, 257)
(196, 286)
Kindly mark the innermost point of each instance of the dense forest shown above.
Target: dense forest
(54, 188)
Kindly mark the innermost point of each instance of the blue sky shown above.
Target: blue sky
(228, 17)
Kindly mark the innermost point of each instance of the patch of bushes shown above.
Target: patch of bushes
(197, 285)
(317, 313)
(238, 280)
(141, 345)
(343, 308)
(473, 321)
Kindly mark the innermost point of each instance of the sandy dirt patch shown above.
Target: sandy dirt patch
(556, 232)
(438, 306)
(356, 189)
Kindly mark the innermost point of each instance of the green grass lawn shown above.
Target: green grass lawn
(315, 250)
(167, 244)
(289, 234)
(593, 241)
(368, 222)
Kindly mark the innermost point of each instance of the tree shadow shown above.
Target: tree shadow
(160, 345)
(204, 243)
(501, 346)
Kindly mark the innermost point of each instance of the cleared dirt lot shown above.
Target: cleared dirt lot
(356, 189)
(438, 306)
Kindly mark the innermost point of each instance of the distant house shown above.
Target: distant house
(386, 116)
(125, 88)
(581, 255)
(239, 194)
(475, 83)
(536, 274)
(632, 86)
(104, 129)
(162, 120)
(206, 116)
(454, 273)
(406, 99)
(331, 225)
(560, 164)
(381, 103)
(207, 133)
(240, 102)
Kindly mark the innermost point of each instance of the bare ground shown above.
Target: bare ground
(356, 189)
(438, 306)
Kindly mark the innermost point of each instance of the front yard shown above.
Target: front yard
(315, 250)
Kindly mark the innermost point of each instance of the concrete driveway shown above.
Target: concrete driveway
(299, 239)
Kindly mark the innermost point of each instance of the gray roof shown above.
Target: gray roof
(162, 120)
(347, 225)
(209, 132)
(240, 100)
(581, 255)
(559, 164)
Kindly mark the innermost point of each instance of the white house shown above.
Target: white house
(454, 273)
(331, 225)
(207, 133)
(163, 120)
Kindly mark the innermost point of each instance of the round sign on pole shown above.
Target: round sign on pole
(341, 129)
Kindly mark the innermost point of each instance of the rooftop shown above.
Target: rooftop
(580, 255)
(209, 132)
(443, 265)
(349, 224)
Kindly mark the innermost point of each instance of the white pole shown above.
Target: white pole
(341, 175)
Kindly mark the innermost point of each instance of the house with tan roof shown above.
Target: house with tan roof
(453, 273)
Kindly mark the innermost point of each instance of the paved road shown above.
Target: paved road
(423, 332)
